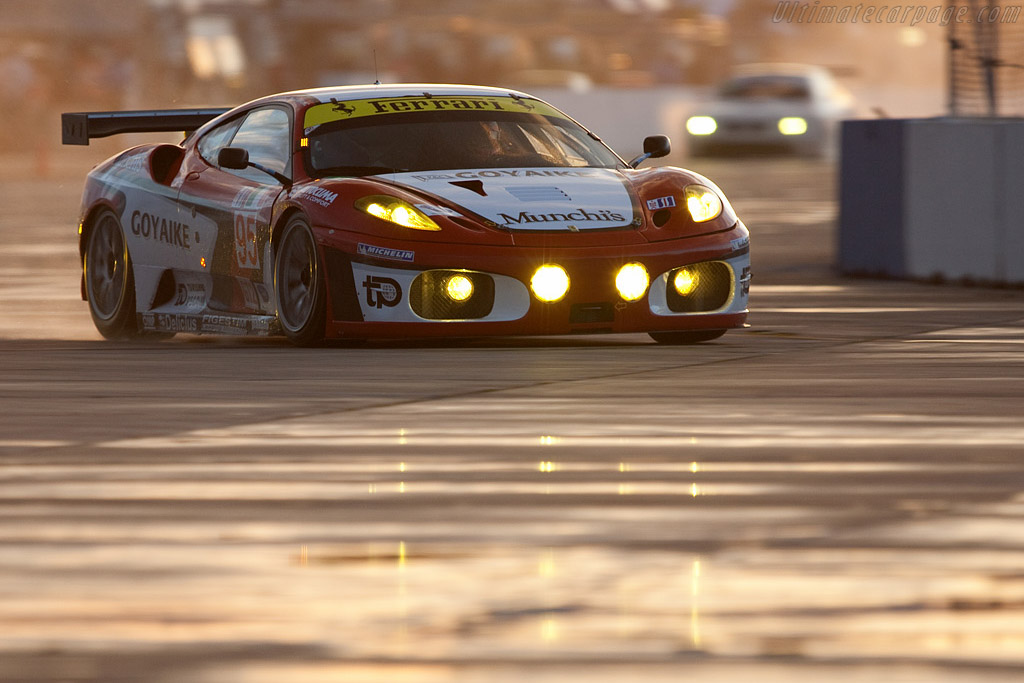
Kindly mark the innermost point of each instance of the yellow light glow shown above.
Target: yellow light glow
(632, 281)
(79, 228)
(792, 125)
(459, 288)
(701, 125)
(686, 281)
(396, 211)
(547, 466)
(304, 142)
(550, 283)
(702, 203)
(202, 261)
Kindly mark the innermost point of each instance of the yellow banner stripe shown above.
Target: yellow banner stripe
(352, 109)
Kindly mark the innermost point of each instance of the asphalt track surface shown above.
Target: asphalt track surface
(834, 494)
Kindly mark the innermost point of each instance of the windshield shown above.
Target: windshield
(428, 134)
(767, 87)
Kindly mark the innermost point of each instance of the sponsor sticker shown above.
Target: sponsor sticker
(151, 226)
(354, 109)
(382, 291)
(739, 243)
(576, 216)
(661, 203)
(385, 253)
(504, 174)
(318, 195)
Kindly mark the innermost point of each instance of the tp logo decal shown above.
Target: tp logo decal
(382, 291)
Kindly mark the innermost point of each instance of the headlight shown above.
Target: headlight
(632, 281)
(394, 210)
(792, 125)
(701, 125)
(550, 283)
(702, 203)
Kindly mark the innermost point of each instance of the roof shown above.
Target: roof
(365, 92)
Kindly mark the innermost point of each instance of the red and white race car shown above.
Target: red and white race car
(400, 211)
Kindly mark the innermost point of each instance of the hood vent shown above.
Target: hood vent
(538, 193)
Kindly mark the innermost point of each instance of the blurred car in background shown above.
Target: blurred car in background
(772, 108)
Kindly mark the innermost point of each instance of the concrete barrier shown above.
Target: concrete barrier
(933, 199)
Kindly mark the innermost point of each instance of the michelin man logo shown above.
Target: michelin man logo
(382, 291)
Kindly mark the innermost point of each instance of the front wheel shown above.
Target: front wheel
(109, 282)
(299, 285)
(680, 338)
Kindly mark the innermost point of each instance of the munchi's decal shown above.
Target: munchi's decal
(353, 109)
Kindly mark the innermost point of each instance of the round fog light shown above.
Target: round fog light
(632, 281)
(459, 288)
(686, 281)
(550, 283)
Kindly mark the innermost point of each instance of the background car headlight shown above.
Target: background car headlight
(792, 125)
(550, 283)
(701, 125)
(702, 203)
(394, 210)
(632, 281)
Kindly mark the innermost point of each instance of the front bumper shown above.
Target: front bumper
(376, 290)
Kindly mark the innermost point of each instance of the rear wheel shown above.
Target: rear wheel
(299, 285)
(109, 282)
(681, 338)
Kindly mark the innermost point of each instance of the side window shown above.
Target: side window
(266, 135)
(217, 139)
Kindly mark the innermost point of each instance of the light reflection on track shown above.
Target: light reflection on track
(834, 494)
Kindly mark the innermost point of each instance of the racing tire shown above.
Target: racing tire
(683, 338)
(299, 288)
(109, 281)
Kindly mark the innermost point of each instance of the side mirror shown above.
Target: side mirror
(234, 158)
(655, 146)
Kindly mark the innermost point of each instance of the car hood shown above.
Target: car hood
(571, 199)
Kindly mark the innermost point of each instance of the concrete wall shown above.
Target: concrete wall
(926, 198)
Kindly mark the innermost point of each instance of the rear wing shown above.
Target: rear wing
(77, 128)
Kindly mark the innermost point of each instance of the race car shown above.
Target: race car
(400, 211)
(773, 108)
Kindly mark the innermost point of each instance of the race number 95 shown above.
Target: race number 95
(246, 254)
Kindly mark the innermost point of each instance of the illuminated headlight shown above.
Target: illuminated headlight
(459, 288)
(686, 281)
(550, 283)
(394, 210)
(632, 281)
(701, 125)
(702, 203)
(792, 125)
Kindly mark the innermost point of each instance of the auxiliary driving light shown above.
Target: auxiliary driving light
(459, 288)
(632, 281)
(550, 283)
(792, 125)
(686, 281)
